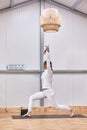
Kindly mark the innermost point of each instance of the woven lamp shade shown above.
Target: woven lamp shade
(50, 20)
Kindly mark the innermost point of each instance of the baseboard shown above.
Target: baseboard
(79, 110)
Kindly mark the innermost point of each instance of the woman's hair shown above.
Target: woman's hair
(45, 63)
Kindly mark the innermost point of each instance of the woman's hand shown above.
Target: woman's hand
(46, 48)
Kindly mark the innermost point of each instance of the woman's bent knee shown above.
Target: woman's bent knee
(31, 98)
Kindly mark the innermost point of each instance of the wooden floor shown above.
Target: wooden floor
(7, 123)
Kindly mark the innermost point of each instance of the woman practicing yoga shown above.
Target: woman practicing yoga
(47, 91)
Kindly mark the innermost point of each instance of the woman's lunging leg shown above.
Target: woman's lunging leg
(54, 104)
(35, 96)
(62, 107)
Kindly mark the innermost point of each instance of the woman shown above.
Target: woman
(47, 91)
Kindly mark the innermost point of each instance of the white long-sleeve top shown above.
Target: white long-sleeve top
(47, 75)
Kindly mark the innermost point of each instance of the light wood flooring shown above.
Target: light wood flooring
(7, 123)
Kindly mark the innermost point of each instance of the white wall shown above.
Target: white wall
(19, 44)
(69, 52)
(23, 36)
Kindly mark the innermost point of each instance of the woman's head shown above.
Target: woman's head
(45, 65)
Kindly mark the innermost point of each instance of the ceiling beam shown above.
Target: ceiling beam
(76, 4)
(11, 3)
(12, 6)
(55, 3)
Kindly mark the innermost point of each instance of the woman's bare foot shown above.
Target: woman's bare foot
(27, 114)
(72, 111)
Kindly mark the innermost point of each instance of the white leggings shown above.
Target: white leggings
(49, 94)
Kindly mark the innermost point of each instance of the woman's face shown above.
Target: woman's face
(44, 66)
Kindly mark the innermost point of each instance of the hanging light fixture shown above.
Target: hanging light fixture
(50, 20)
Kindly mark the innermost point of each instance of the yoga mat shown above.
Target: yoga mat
(48, 116)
